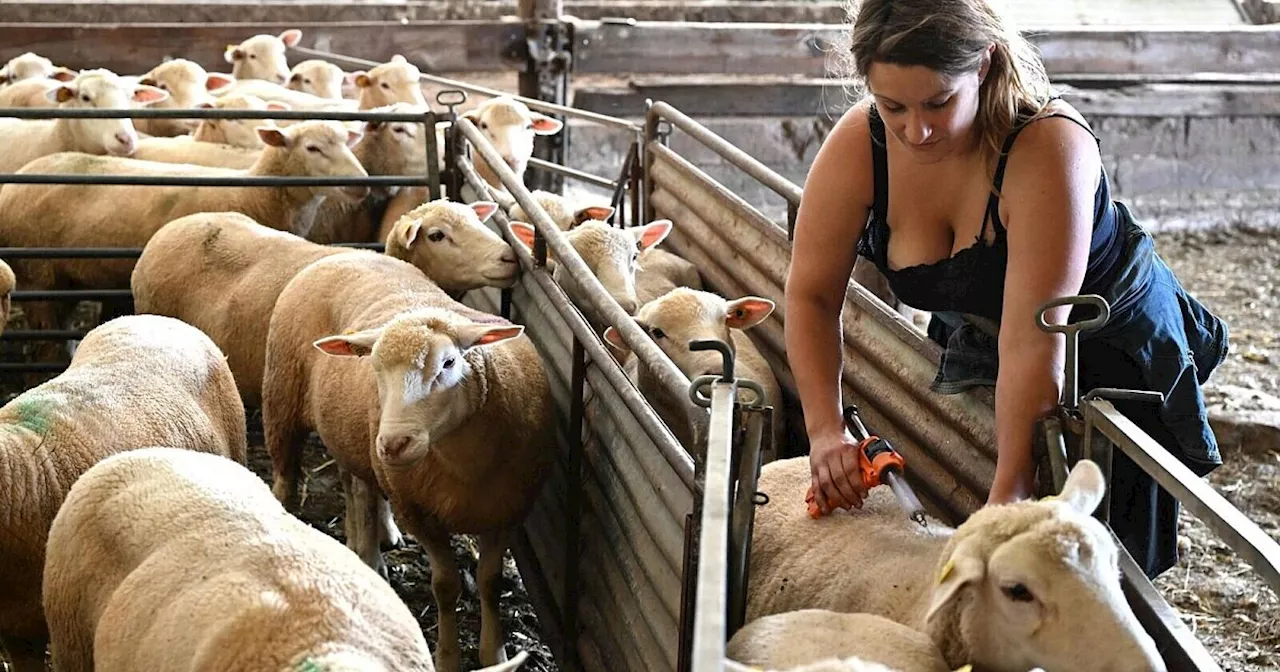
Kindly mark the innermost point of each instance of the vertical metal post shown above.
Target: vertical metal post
(574, 496)
(650, 134)
(453, 140)
(547, 48)
(1099, 450)
(637, 169)
(793, 210)
(433, 167)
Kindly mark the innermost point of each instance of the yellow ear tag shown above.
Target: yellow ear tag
(966, 668)
(1048, 498)
(946, 570)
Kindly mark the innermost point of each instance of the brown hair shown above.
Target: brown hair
(950, 36)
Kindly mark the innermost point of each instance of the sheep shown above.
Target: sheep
(318, 78)
(510, 126)
(809, 636)
(136, 381)
(237, 132)
(866, 274)
(417, 396)
(396, 81)
(118, 216)
(562, 212)
(217, 143)
(166, 559)
(33, 66)
(296, 100)
(29, 93)
(7, 284)
(188, 86)
(683, 315)
(222, 272)
(387, 148)
(262, 56)
(1015, 586)
(610, 252)
(27, 140)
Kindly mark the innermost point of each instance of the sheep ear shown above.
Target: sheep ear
(359, 344)
(205, 105)
(544, 125)
(148, 95)
(509, 666)
(398, 58)
(233, 53)
(362, 79)
(279, 106)
(747, 312)
(523, 233)
(961, 569)
(600, 212)
(614, 339)
(1084, 488)
(61, 94)
(273, 137)
(473, 335)
(64, 74)
(652, 233)
(353, 137)
(410, 232)
(291, 37)
(215, 82)
(484, 209)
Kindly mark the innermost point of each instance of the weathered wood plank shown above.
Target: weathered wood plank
(130, 49)
(804, 50)
(707, 97)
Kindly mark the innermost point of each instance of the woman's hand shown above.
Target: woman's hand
(833, 462)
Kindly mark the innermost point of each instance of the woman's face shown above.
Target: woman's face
(929, 113)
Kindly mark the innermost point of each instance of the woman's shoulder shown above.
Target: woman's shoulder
(847, 149)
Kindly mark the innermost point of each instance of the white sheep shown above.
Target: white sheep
(263, 56)
(1014, 587)
(396, 81)
(510, 126)
(437, 405)
(609, 251)
(33, 66)
(7, 284)
(188, 86)
(30, 93)
(61, 215)
(166, 559)
(319, 78)
(684, 315)
(296, 100)
(564, 213)
(26, 140)
(218, 143)
(222, 272)
(135, 381)
(814, 639)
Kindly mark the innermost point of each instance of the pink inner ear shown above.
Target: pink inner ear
(599, 212)
(276, 105)
(336, 347)
(148, 95)
(217, 81)
(353, 138)
(64, 75)
(291, 37)
(654, 233)
(272, 136)
(484, 209)
(546, 125)
(748, 312)
(612, 337)
(362, 80)
(496, 335)
(523, 232)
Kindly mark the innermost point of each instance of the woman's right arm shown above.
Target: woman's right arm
(833, 212)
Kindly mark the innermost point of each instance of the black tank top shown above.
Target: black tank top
(972, 280)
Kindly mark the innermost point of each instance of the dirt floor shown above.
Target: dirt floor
(1237, 275)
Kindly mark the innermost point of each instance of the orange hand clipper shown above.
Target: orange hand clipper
(878, 463)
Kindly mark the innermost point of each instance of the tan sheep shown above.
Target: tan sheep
(1014, 587)
(30, 93)
(7, 284)
(510, 126)
(796, 639)
(25, 140)
(188, 86)
(659, 271)
(237, 132)
(187, 150)
(396, 81)
(263, 56)
(684, 315)
(33, 66)
(135, 381)
(562, 212)
(318, 78)
(609, 251)
(446, 409)
(126, 216)
(165, 559)
(222, 272)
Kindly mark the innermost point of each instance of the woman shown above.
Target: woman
(978, 193)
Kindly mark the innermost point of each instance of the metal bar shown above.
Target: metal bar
(70, 252)
(204, 113)
(43, 335)
(194, 181)
(433, 158)
(758, 424)
(573, 531)
(748, 164)
(535, 582)
(661, 435)
(635, 169)
(1233, 527)
(32, 367)
(625, 177)
(713, 544)
(70, 294)
(572, 172)
(687, 607)
(531, 103)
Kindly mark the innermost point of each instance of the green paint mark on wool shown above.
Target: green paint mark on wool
(309, 665)
(33, 412)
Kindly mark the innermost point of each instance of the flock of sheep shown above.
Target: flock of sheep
(134, 538)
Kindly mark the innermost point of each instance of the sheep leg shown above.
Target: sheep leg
(348, 529)
(446, 585)
(363, 523)
(493, 547)
(26, 654)
(389, 536)
(283, 436)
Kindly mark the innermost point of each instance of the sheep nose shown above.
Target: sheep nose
(128, 142)
(629, 305)
(513, 163)
(394, 446)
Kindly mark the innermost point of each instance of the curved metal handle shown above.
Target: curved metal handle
(1096, 322)
(726, 355)
(451, 97)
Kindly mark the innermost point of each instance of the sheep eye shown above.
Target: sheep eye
(435, 236)
(163, 86)
(448, 363)
(253, 56)
(84, 97)
(400, 129)
(657, 333)
(307, 82)
(386, 85)
(1018, 593)
(484, 126)
(313, 149)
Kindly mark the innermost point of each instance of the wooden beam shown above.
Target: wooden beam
(708, 97)
(468, 46)
(803, 50)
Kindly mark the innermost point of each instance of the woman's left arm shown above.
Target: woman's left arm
(1048, 192)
